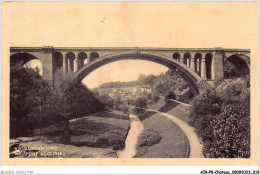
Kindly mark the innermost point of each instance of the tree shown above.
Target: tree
(81, 101)
(146, 79)
(171, 95)
(32, 102)
(75, 100)
(140, 105)
(223, 123)
(231, 131)
(106, 100)
(205, 107)
(124, 109)
(117, 103)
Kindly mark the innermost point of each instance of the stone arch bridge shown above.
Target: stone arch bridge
(199, 67)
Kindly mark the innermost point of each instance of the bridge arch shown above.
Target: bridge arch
(27, 60)
(192, 78)
(93, 56)
(22, 57)
(240, 63)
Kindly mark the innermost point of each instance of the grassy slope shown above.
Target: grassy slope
(180, 111)
(101, 130)
(173, 143)
(160, 103)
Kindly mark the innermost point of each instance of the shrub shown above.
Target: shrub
(222, 121)
(102, 142)
(183, 87)
(149, 137)
(205, 105)
(231, 132)
(124, 109)
(171, 95)
(119, 144)
(154, 99)
(139, 111)
(141, 103)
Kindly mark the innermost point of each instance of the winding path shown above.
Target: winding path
(136, 128)
(195, 145)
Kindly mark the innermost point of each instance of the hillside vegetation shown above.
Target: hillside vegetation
(222, 119)
(35, 104)
(169, 84)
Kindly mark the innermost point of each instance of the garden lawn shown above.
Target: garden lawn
(178, 110)
(161, 138)
(101, 130)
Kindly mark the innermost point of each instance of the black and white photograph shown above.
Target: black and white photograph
(129, 83)
(195, 103)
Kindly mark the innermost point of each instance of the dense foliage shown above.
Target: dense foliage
(35, 104)
(148, 138)
(32, 101)
(222, 120)
(140, 106)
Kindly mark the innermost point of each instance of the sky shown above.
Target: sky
(124, 70)
(129, 24)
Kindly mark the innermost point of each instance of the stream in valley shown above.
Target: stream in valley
(136, 128)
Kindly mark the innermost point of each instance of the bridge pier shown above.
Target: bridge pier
(76, 63)
(64, 71)
(182, 59)
(192, 63)
(47, 58)
(69, 64)
(203, 68)
(217, 71)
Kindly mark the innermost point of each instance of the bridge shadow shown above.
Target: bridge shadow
(108, 114)
(168, 106)
(146, 115)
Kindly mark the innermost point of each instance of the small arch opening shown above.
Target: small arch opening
(176, 56)
(57, 61)
(70, 56)
(208, 61)
(197, 60)
(187, 59)
(82, 57)
(93, 56)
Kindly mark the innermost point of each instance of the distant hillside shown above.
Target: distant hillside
(162, 84)
(118, 84)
